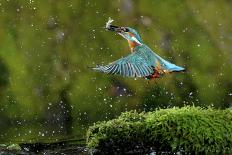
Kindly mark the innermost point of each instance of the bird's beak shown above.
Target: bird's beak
(119, 29)
(113, 28)
(122, 31)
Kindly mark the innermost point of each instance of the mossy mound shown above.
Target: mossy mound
(187, 129)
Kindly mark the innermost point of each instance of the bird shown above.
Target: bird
(141, 62)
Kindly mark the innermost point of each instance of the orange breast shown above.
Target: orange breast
(132, 44)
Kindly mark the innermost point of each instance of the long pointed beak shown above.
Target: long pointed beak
(120, 30)
(114, 28)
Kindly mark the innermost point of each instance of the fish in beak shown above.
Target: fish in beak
(122, 31)
(114, 28)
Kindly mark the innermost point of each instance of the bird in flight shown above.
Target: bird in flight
(142, 62)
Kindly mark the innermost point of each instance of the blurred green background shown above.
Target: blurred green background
(48, 92)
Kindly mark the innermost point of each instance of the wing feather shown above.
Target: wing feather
(134, 65)
(138, 71)
(130, 70)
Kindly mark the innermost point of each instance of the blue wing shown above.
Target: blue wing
(133, 65)
(142, 63)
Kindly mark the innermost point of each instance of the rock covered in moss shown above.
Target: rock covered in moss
(187, 129)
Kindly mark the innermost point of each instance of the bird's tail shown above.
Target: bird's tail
(175, 68)
(170, 66)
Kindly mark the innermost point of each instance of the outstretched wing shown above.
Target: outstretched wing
(133, 65)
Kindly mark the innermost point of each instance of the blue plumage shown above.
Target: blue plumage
(142, 62)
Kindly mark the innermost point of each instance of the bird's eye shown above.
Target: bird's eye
(125, 29)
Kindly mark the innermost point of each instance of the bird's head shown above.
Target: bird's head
(128, 33)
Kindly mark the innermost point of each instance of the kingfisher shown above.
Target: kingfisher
(142, 62)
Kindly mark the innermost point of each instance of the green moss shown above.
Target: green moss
(10, 147)
(187, 129)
